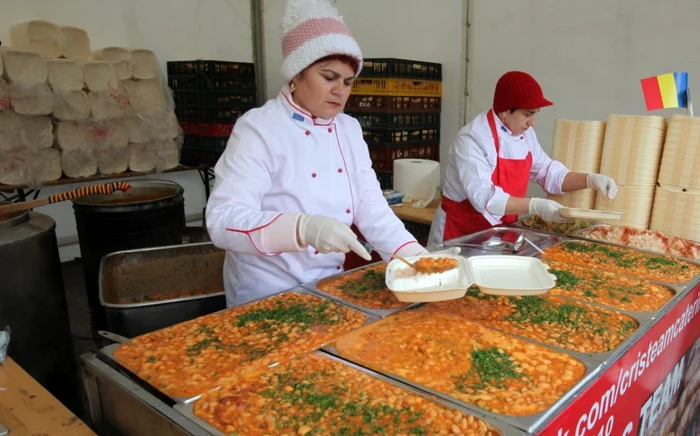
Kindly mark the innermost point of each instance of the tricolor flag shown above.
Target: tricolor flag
(665, 91)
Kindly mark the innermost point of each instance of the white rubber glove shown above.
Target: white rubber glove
(453, 251)
(548, 210)
(600, 182)
(328, 235)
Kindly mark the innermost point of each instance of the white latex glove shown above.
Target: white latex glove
(450, 251)
(548, 210)
(328, 235)
(606, 185)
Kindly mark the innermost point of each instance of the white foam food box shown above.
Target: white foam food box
(496, 275)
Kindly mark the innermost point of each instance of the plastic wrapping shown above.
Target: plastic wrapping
(4, 95)
(4, 344)
(30, 167)
(79, 163)
(23, 66)
(71, 105)
(31, 99)
(64, 75)
(101, 117)
(110, 105)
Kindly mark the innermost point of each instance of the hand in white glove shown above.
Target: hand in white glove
(548, 210)
(328, 235)
(453, 251)
(606, 185)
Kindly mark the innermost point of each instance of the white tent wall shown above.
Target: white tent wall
(588, 56)
(173, 29)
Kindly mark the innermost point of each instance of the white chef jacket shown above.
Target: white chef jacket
(280, 163)
(472, 161)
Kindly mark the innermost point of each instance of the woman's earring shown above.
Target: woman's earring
(292, 87)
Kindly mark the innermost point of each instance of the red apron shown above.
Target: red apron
(511, 175)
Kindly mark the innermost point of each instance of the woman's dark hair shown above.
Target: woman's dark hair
(347, 60)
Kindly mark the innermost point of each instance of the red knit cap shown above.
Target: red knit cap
(518, 90)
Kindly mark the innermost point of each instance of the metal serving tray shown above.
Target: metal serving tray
(541, 239)
(676, 286)
(643, 320)
(109, 350)
(381, 313)
(180, 270)
(580, 234)
(528, 423)
(505, 430)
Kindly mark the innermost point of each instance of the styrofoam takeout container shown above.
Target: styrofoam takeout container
(496, 275)
(589, 214)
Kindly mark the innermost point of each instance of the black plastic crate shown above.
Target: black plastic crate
(401, 135)
(392, 103)
(209, 113)
(214, 98)
(202, 82)
(401, 68)
(212, 68)
(419, 231)
(415, 119)
(198, 150)
(386, 180)
(383, 156)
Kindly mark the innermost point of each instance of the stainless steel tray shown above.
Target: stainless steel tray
(506, 430)
(528, 423)
(541, 239)
(109, 350)
(381, 313)
(678, 286)
(580, 234)
(150, 272)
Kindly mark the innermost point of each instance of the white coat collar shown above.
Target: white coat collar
(500, 126)
(299, 115)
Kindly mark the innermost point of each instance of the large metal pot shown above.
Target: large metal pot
(150, 214)
(33, 303)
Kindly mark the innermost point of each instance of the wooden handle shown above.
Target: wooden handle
(25, 205)
(107, 188)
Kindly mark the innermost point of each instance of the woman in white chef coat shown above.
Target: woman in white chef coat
(495, 157)
(296, 172)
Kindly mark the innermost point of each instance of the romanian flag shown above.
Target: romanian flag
(665, 91)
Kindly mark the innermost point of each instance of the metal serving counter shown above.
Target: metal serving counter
(649, 384)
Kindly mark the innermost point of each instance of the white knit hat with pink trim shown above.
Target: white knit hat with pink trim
(312, 30)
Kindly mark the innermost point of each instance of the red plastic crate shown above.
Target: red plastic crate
(207, 129)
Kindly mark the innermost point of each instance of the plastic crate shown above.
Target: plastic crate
(404, 68)
(419, 231)
(418, 135)
(392, 103)
(198, 150)
(415, 119)
(217, 130)
(386, 180)
(383, 157)
(212, 68)
(209, 113)
(399, 87)
(214, 98)
(202, 82)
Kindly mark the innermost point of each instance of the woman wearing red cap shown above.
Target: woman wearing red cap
(494, 158)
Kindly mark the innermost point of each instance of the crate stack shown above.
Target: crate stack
(209, 97)
(398, 103)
